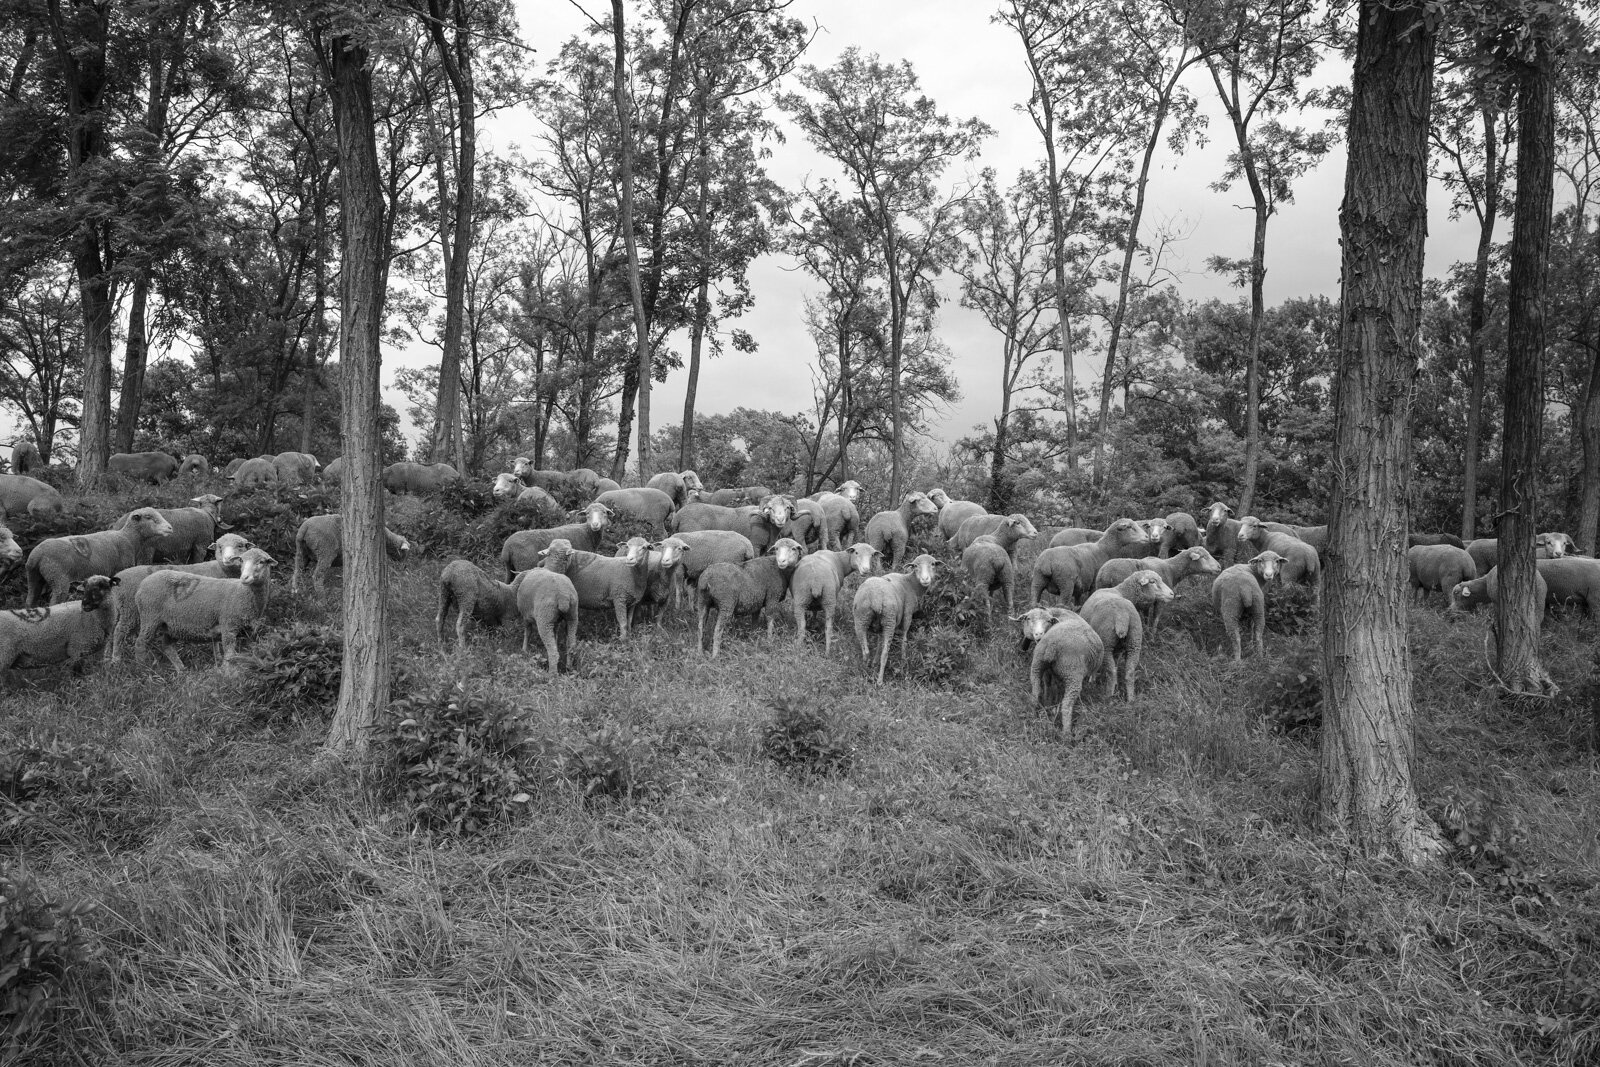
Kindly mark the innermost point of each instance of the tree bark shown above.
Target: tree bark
(1476, 318)
(1517, 612)
(133, 363)
(1368, 744)
(702, 296)
(456, 234)
(364, 689)
(1589, 430)
(625, 196)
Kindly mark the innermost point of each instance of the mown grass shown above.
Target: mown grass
(970, 890)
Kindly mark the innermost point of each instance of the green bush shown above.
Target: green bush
(1291, 696)
(458, 759)
(39, 943)
(805, 739)
(611, 764)
(295, 673)
(53, 791)
(940, 656)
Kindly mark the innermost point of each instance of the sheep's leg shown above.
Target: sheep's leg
(572, 637)
(294, 580)
(552, 650)
(1129, 667)
(170, 652)
(1069, 698)
(461, 627)
(700, 607)
(716, 631)
(1230, 626)
(861, 639)
(887, 628)
(621, 607)
(319, 576)
(1108, 676)
(527, 634)
(1260, 624)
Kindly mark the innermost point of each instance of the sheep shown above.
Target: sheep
(547, 598)
(1068, 653)
(418, 477)
(891, 601)
(254, 473)
(586, 481)
(952, 513)
(890, 530)
(1033, 624)
(643, 504)
(194, 463)
(1240, 590)
(1315, 536)
(10, 551)
(322, 536)
(229, 548)
(1466, 596)
(1438, 567)
(1485, 551)
(296, 468)
(1570, 578)
(25, 456)
(193, 531)
(707, 547)
(1155, 530)
(1182, 532)
(1221, 536)
(677, 486)
(1074, 535)
(233, 468)
(521, 550)
(807, 523)
(843, 522)
(989, 569)
(1417, 539)
(752, 588)
(552, 481)
(334, 471)
(618, 582)
(1069, 570)
(21, 495)
(152, 467)
(819, 577)
(762, 523)
(749, 494)
(475, 596)
(1195, 560)
(665, 571)
(1114, 615)
(1261, 536)
(604, 485)
(533, 497)
(190, 607)
(506, 486)
(66, 632)
(56, 562)
(979, 525)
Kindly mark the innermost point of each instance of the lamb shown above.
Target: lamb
(643, 503)
(1221, 533)
(891, 601)
(1240, 590)
(677, 486)
(1195, 560)
(1068, 653)
(66, 632)
(21, 495)
(843, 525)
(1008, 528)
(952, 513)
(1035, 623)
(546, 598)
(174, 605)
(819, 577)
(1466, 596)
(752, 588)
(1182, 532)
(193, 531)
(475, 596)
(892, 529)
(229, 548)
(322, 536)
(56, 562)
(1114, 615)
(1069, 570)
(1438, 567)
(618, 582)
(522, 549)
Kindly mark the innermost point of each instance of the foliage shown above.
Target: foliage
(807, 739)
(1486, 839)
(40, 942)
(611, 763)
(54, 791)
(1291, 697)
(295, 673)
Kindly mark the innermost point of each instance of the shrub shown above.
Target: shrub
(805, 739)
(457, 758)
(295, 673)
(1484, 837)
(1291, 696)
(950, 602)
(52, 789)
(39, 943)
(941, 656)
(611, 763)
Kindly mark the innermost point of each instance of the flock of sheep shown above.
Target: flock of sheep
(146, 582)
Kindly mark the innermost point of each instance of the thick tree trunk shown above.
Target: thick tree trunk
(364, 689)
(641, 324)
(133, 363)
(1589, 430)
(1517, 612)
(94, 293)
(1476, 317)
(1368, 743)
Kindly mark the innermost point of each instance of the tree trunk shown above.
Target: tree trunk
(1368, 743)
(364, 689)
(133, 363)
(94, 293)
(1475, 322)
(897, 340)
(1589, 428)
(456, 57)
(1517, 612)
(625, 195)
(1258, 314)
(702, 297)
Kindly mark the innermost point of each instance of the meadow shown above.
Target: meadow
(764, 859)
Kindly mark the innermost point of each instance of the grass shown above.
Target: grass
(969, 890)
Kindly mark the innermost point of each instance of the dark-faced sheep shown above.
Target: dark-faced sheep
(547, 599)
(1068, 654)
(1114, 615)
(1069, 570)
(952, 513)
(188, 607)
(522, 549)
(475, 597)
(1438, 568)
(888, 531)
(56, 562)
(322, 538)
(752, 588)
(890, 603)
(61, 633)
(1240, 590)
(818, 580)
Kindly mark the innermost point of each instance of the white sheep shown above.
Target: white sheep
(193, 531)
(189, 607)
(65, 632)
(752, 588)
(523, 549)
(475, 597)
(618, 582)
(56, 562)
(843, 521)
(952, 513)
(229, 550)
(819, 577)
(888, 531)
(890, 602)
(1114, 615)
(547, 598)
(1241, 590)
(322, 537)
(1069, 653)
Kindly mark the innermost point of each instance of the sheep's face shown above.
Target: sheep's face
(1035, 621)
(1461, 598)
(522, 467)
(921, 504)
(10, 551)
(1217, 514)
(939, 497)
(924, 569)
(1156, 529)
(787, 552)
(1150, 589)
(505, 485)
(150, 523)
(850, 490)
(863, 558)
(1128, 532)
(672, 550)
(228, 549)
(1203, 559)
(1554, 544)
(211, 504)
(93, 591)
(1250, 528)
(596, 516)
(636, 550)
(691, 480)
(256, 568)
(396, 546)
(1267, 566)
(1021, 527)
(777, 509)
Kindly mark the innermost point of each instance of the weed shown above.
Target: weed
(806, 739)
(1291, 696)
(611, 764)
(39, 943)
(941, 656)
(295, 673)
(53, 790)
(1484, 837)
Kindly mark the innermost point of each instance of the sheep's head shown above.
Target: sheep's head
(1035, 621)
(924, 569)
(1021, 527)
(397, 547)
(1146, 587)
(1217, 514)
(1128, 532)
(228, 549)
(776, 509)
(1250, 529)
(256, 568)
(672, 551)
(636, 550)
(939, 497)
(150, 523)
(921, 504)
(691, 480)
(1204, 560)
(522, 467)
(851, 491)
(787, 551)
(557, 555)
(1463, 599)
(597, 516)
(864, 559)
(10, 551)
(93, 590)
(1156, 529)
(1554, 544)
(1267, 565)
(505, 485)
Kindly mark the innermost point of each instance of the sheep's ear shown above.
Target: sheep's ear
(115, 580)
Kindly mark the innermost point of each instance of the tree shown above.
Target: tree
(641, 325)
(867, 116)
(1575, 282)
(1368, 742)
(41, 338)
